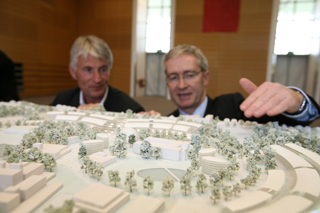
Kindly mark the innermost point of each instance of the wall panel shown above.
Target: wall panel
(230, 55)
(39, 35)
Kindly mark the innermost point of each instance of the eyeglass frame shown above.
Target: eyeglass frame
(173, 81)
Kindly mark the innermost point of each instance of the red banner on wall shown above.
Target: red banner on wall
(221, 15)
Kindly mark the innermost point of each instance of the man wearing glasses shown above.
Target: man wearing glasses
(187, 76)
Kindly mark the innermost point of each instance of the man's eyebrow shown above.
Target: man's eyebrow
(86, 67)
(186, 71)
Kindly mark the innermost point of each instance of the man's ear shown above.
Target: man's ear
(73, 73)
(206, 76)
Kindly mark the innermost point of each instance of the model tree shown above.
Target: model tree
(185, 184)
(84, 163)
(251, 163)
(167, 184)
(91, 166)
(183, 136)
(64, 139)
(195, 164)
(269, 158)
(256, 171)
(230, 173)
(270, 164)
(14, 157)
(129, 113)
(48, 161)
(114, 177)
(28, 140)
(236, 189)
(191, 154)
(132, 139)
(148, 184)
(176, 136)
(39, 133)
(156, 134)
(7, 151)
(18, 122)
(157, 153)
(82, 151)
(120, 146)
(8, 124)
(227, 192)
(235, 164)
(98, 171)
(67, 207)
(245, 182)
(223, 172)
(190, 172)
(130, 181)
(244, 151)
(33, 155)
(163, 133)
(215, 194)
(196, 143)
(22, 155)
(215, 179)
(144, 133)
(145, 149)
(201, 184)
(52, 135)
(69, 130)
(169, 135)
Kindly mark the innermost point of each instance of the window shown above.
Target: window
(295, 27)
(158, 26)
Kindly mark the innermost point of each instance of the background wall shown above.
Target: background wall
(230, 55)
(39, 34)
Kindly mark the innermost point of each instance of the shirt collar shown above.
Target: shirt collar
(201, 109)
(82, 102)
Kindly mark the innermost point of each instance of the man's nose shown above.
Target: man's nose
(182, 83)
(96, 76)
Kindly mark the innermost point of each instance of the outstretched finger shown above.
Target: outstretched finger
(247, 85)
(253, 101)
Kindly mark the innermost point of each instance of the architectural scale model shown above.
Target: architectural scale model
(125, 162)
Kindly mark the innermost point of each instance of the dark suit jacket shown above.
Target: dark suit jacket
(8, 84)
(228, 106)
(116, 101)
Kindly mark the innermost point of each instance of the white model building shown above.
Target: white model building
(103, 158)
(55, 150)
(93, 146)
(24, 187)
(105, 138)
(19, 130)
(100, 198)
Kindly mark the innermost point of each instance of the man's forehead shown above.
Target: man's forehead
(91, 60)
(182, 64)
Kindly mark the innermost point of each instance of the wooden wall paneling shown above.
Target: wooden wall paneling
(230, 55)
(39, 35)
(111, 20)
(46, 79)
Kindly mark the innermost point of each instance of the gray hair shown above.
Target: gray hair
(186, 49)
(92, 45)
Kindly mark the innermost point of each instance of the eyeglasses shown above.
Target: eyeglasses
(188, 76)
